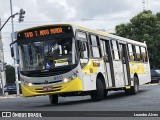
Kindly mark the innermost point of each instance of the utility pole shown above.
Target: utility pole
(15, 60)
(2, 72)
(2, 63)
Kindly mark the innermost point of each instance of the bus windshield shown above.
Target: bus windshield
(46, 54)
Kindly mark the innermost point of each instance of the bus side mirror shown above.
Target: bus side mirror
(12, 52)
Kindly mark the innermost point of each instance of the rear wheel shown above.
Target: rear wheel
(98, 94)
(53, 99)
(134, 89)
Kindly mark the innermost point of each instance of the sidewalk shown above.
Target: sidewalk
(9, 96)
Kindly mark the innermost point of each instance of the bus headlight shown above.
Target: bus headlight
(73, 76)
(29, 84)
(65, 80)
(26, 83)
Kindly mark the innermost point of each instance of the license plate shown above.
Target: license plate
(48, 88)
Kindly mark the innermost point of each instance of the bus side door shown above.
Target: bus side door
(117, 64)
(125, 62)
(106, 53)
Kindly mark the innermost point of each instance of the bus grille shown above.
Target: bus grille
(47, 83)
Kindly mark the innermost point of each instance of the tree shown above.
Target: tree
(144, 27)
(10, 74)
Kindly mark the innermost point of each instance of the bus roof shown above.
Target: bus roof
(111, 36)
(92, 31)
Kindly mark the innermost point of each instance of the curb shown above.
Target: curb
(10, 96)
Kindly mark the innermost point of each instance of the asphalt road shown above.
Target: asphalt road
(148, 99)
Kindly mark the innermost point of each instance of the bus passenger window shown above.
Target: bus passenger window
(144, 54)
(105, 51)
(138, 57)
(95, 45)
(131, 52)
(123, 55)
(115, 51)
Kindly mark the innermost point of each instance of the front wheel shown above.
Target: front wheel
(53, 99)
(98, 94)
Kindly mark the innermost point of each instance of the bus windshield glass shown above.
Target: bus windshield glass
(47, 54)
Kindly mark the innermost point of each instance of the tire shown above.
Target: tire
(134, 89)
(53, 99)
(98, 94)
(6, 93)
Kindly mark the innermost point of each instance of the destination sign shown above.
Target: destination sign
(44, 31)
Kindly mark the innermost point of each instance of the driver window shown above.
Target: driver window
(84, 54)
(82, 45)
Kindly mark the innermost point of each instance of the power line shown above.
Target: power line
(83, 19)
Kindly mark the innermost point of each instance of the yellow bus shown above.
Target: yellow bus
(69, 60)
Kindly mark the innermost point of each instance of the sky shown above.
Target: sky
(95, 14)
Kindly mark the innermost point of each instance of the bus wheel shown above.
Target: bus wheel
(134, 89)
(53, 99)
(98, 94)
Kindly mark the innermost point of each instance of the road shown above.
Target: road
(148, 99)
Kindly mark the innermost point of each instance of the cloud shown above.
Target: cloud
(153, 5)
(56, 9)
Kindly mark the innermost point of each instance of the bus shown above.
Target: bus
(70, 60)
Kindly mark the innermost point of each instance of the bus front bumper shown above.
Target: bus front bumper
(72, 86)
